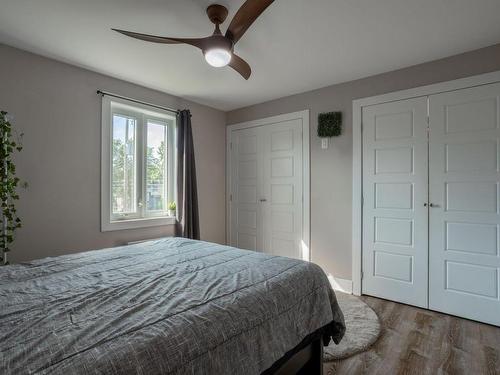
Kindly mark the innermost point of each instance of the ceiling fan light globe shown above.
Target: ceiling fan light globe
(218, 57)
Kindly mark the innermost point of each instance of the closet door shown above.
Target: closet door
(395, 218)
(464, 194)
(246, 214)
(282, 191)
(266, 211)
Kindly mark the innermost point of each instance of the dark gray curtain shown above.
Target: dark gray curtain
(187, 194)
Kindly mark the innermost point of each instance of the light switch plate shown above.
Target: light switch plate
(324, 143)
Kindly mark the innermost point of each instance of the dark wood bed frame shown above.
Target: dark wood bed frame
(306, 361)
(300, 360)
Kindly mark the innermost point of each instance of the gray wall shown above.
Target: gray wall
(57, 108)
(331, 170)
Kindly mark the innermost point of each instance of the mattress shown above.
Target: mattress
(169, 306)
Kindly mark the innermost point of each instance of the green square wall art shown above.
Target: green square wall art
(329, 124)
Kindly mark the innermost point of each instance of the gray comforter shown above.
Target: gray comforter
(166, 306)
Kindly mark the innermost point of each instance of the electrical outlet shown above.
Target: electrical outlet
(324, 143)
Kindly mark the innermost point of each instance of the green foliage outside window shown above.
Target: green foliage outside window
(124, 175)
(123, 180)
(156, 176)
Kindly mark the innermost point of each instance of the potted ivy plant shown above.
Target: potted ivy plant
(172, 207)
(10, 222)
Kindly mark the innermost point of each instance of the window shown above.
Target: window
(137, 165)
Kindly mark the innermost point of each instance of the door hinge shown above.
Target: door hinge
(230, 145)
(362, 275)
(230, 197)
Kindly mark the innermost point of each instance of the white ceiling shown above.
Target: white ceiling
(295, 46)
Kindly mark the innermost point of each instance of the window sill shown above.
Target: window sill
(137, 223)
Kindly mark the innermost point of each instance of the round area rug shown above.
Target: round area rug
(362, 328)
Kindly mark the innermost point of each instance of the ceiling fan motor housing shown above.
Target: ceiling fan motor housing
(217, 13)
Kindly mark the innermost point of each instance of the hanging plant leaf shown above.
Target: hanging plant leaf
(8, 186)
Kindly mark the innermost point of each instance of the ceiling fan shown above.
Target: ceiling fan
(218, 49)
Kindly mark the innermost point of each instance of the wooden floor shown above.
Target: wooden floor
(417, 341)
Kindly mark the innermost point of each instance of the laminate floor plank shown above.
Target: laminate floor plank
(416, 341)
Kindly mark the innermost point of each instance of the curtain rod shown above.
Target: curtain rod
(100, 92)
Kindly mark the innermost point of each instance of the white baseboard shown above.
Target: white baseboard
(342, 285)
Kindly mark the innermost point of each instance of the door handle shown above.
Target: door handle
(433, 205)
(263, 200)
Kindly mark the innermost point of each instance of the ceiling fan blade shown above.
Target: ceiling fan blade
(245, 16)
(241, 66)
(196, 42)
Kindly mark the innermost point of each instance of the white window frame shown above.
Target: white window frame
(143, 113)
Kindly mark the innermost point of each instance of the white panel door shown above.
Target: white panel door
(395, 216)
(282, 188)
(464, 175)
(267, 188)
(246, 163)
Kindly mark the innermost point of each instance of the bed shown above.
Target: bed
(169, 306)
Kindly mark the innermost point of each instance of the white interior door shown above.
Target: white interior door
(266, 208)
(246, 164)
(464, 193)
(282, 190)
(395, 155)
